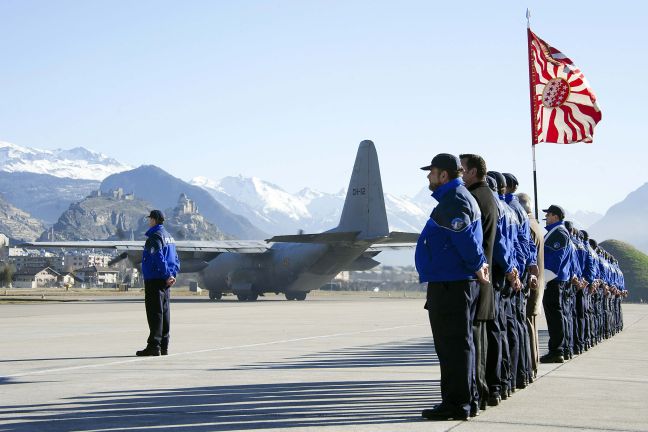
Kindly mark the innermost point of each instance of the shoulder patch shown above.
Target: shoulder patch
(457, 224)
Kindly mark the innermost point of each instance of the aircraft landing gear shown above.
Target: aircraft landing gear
(300, 295)
(215, 295)
(247, 297)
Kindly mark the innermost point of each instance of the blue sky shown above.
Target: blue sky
(285, 90)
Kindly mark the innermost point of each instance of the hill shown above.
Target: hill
(102, 217)
(17, 224)
(185, 222)
(43, 196)
(625, 220)
(119, 216)
(161, 189)
(634, 265)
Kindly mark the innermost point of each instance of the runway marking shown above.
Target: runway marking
(138, 359)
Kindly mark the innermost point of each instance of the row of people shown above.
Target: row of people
(485, 261)
(582, 302)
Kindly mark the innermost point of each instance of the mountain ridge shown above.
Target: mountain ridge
(279, 212)
(161, 190)
(76, 163)
(625, 220)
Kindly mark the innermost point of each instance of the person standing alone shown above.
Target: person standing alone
(557, 255)
(160, 266)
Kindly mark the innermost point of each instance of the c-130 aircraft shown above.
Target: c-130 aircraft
(289, 264)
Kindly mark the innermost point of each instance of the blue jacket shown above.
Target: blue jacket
(514, 228)
(558, 251)
(159, 259)
(450, 245)
(595, 263)
(621, 280)
(504, 247)
(527, 245)
(604, 270)
(576, 261)
(590, 268)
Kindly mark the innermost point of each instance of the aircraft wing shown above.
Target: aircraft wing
(194, 255)
(216, 246)
(390, 246)
(395, 241)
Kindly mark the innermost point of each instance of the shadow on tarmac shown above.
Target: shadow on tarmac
(228, 408)
(62, 358)
(412, 352)
(9, 380)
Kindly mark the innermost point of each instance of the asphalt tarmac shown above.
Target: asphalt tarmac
(329, 363)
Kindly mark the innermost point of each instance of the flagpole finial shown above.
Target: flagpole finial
(528, 17)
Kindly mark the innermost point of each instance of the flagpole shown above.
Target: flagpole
(534, 137)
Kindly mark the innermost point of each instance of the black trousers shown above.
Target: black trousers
(496, 332)
(513, 339)
(480, 339)
(505, 366)
(158, 314)
(552, 302)
(569, 309)
(587, 317)
(524, 356)
(579, 320)
(451, 309)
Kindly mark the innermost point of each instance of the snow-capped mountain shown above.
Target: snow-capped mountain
(276, 211)
(76, 163)
(266, 205)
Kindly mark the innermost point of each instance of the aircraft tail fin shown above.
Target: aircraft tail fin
(364, 206)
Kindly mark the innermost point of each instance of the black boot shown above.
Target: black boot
(148, 351)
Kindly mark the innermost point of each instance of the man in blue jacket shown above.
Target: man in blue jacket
(558, 253)
(527, 261)
(450, 258)
(506, 280)
(160, 266)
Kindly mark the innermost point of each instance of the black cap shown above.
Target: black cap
(584, 234)
(444, 161)
(492, 184)
(499, 179)
(157, 215)
(569, 225)
(557, 210)
(511, 180)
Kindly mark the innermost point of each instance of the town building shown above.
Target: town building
(117, 194)
(4, 247)
(186, 205)
(36, 260)
(98, 276)
(76, 261)
(35, 277)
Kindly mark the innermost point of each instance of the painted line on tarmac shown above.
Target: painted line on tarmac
(226, 348)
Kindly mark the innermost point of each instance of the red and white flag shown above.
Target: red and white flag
(563, 104)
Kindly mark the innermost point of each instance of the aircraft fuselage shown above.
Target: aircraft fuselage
(284, 268)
